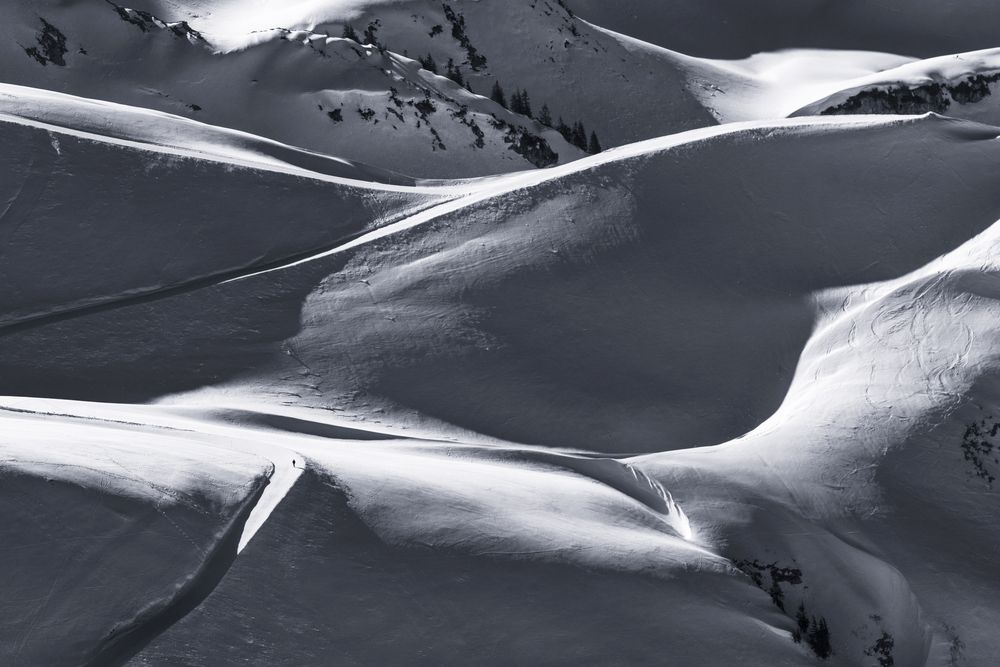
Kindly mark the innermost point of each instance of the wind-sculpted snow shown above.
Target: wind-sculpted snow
(725, 396)
(466, 318)
(430, 605)
(460, 313)
(386, 498)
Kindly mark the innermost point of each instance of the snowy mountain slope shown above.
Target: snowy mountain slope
(777, 84)
(322, 408)
(460, 314)
(350, 564)
(575, 70)
(642, 92)
(539, 47)
(346, 99)
(828, 504)
(466, 319)
(107, 121)
(89, 218)
(766, 85)
(738, 29)
(804, 82)
(886, 436)
(254, 68)
(352, 100)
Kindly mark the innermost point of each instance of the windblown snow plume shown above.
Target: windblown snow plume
(392, 332)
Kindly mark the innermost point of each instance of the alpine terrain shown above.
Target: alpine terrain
(499, 332)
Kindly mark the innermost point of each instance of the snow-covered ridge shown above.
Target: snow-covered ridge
(146, 22)
(160, 221)
(158, 131)
(960, 85)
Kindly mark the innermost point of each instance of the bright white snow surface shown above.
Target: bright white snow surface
(264, 405)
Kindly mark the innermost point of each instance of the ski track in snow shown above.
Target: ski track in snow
(288, 467)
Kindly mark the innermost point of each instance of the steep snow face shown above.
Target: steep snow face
(737, 29)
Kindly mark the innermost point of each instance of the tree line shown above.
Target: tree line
(520, 102)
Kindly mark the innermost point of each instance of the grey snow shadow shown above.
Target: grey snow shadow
(161, 344)
(122, 644)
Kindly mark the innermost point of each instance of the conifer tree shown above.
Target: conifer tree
(565, 130)
(579, 136)
(497, 95)
(819, 638)
(594, 148)
(429, 63)
(545, 117)
(454, 73)
(802, 622)
(370, 35)
(350, 33)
